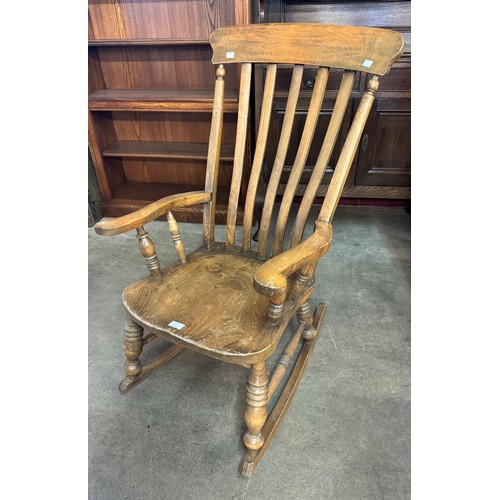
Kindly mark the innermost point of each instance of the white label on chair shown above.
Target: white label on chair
(176, 325)
(367, 63)
(229, 55)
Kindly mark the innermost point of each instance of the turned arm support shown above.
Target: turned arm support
(150, 212)
(271, 278)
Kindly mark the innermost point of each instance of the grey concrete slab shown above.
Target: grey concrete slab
(178, 435)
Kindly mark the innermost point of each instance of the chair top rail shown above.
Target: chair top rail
(372, 50)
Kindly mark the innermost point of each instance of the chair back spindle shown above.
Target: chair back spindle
(258, 159)
(279, 160)
(300, 159)
(352, 50)
(324, 156)
(239, 153)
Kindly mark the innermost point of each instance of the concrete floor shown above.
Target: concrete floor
(178, 435)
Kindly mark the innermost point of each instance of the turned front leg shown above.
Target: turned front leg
(256, 412)
(132, 347)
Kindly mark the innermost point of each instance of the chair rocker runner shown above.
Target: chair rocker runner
(229, 301)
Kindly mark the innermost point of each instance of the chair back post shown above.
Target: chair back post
(214, 144)
(348, 152)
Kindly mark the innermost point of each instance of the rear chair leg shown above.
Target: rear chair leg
(255, 414)
(132, 347)
(304, 315)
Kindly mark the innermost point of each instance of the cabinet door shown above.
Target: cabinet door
(385, 150)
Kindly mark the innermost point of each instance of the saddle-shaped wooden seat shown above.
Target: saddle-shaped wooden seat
(233, 302)
(209, 305)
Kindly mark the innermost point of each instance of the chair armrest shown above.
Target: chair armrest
(271, 278)
(150, 212)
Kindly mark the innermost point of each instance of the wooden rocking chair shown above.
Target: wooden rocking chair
(228, 301)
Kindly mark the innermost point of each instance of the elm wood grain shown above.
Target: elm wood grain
(194, 100)
(342, 47)
(220, 283)
(162, 149)
(280, 408)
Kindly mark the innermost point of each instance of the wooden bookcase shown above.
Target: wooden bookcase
(151, 87)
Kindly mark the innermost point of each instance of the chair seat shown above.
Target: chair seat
(209, 305)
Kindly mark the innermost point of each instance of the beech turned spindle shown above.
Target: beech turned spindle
(176, 236)
(284, 361)
(148, 251)
(303, 278)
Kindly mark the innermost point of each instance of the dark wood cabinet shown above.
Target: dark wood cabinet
(382, 166)
(151, 86)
